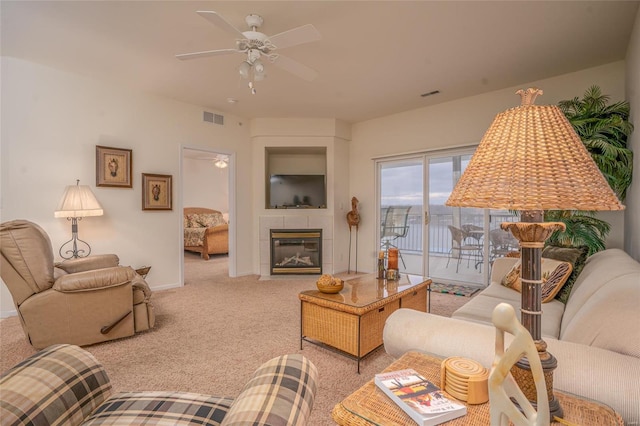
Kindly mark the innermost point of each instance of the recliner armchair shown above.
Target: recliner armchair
(79, 301)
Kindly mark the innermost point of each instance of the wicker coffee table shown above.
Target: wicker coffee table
(352, 321)
(370, 406)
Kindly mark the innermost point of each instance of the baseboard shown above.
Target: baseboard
(165, 287)
(7, 314)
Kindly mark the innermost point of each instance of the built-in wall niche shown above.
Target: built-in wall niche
(296, 177)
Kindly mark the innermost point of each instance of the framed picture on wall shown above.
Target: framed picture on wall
(157, 192)
(113, 167)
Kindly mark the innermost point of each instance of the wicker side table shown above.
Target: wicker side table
(370, 406)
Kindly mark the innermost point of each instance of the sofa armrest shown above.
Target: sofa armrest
(410, 330)
(88, 263)
(586, 371)
(61, 384)
(93, 280)
(216, 229)
(280, 393)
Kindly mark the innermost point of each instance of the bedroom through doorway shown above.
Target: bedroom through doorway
(205, 190)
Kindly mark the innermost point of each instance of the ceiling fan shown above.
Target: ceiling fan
(257, 46)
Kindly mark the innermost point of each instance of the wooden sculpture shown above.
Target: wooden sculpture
(353, 219)
(502, 386)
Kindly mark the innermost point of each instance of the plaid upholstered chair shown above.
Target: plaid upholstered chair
(79, 301)
(66, 385)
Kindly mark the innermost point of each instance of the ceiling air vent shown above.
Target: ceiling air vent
(213, 118)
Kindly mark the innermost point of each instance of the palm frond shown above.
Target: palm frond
(582, 228)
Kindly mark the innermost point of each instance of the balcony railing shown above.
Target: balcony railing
(439, 235)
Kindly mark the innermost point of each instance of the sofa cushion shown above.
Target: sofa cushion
(554, 275)
(599, 269)
(170, 408)
(577, 256)
(610, 318)
(479, 309)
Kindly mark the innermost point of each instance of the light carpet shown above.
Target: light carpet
(211, 335)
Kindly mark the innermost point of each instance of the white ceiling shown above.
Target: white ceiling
(375, 57)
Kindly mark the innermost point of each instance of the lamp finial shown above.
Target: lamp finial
(528, 97)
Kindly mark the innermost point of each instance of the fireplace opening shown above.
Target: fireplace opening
(296, 251)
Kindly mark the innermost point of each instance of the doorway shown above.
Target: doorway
(207, 182)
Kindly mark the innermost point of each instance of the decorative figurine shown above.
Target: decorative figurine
(502, 386)
(353, 219)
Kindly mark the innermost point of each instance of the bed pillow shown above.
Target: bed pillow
(554, 275)
(206, 220)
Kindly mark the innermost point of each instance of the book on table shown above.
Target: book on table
(423, 401)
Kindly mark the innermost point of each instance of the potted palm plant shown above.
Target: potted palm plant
(604, 129)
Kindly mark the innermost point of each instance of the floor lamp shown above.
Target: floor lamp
(77, 202)
(532, 160)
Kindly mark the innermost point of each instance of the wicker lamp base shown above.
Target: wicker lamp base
(521, 372)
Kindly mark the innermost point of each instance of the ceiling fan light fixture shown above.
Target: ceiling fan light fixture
(258, 67)
(244, 69)
(221, 162)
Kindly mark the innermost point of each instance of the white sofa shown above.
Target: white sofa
(595, 336)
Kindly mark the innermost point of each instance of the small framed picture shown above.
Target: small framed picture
(113, 167)
(157, 192)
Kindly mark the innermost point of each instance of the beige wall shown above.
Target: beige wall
(51, 123)
(205, 185)
(632, 214)
(458, 123)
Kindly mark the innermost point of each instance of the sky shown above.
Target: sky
(404, 185)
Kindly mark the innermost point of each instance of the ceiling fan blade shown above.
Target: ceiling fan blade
(220, 22)
(204, 54)
(295, 68)
(293, 37)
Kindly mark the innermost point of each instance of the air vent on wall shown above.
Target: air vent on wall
(213, 118)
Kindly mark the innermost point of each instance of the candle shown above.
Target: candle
(392, 261)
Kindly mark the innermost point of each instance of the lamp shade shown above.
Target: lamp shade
(78, 201)
(531, 158)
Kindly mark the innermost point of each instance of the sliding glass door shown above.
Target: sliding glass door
(456, 235)
(401, 194)
(449, 244)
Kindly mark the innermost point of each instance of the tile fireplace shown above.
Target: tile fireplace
(296, 251)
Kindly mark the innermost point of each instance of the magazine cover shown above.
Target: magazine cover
(418, 397)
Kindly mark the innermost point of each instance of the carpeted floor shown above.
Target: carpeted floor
(211, 335)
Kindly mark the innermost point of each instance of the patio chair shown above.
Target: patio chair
(502, 243)
(458, 244)
(394, 226)
(472, 233)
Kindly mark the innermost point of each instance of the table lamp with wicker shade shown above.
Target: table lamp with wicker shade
(531, 160)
